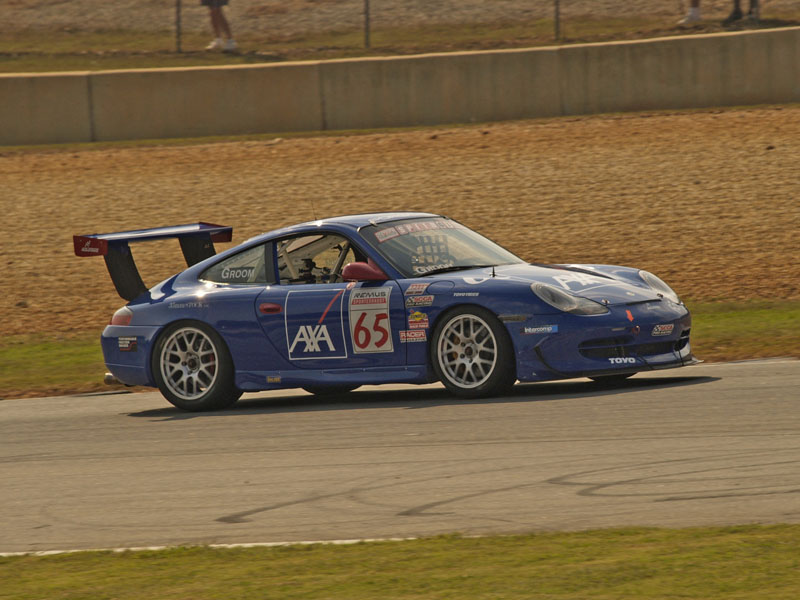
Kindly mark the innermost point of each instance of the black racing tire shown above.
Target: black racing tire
(330, 390)
(612, 379)
(472, 354)
(193, 369)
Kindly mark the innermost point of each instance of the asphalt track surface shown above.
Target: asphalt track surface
(704, 445)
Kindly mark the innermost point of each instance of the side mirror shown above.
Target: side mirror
(361, 271)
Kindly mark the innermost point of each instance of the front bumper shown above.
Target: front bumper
(630, 338)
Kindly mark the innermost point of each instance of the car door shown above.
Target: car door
(316, 320)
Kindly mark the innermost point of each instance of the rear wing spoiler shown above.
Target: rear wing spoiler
(196, 239)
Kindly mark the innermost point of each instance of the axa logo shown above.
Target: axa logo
(626, 360)
(313, 336)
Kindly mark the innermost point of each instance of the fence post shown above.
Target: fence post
(366, 23)
(557, 18)
(178, 26)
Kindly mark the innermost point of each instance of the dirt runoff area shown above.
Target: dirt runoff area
(709, 200)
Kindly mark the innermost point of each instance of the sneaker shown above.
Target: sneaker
(215, 45)
(230, 46)
(752, 15)
(736, 15)
(691, 17)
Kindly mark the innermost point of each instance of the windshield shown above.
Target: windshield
(425, 246)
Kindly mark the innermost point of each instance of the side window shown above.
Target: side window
(350, 256)
(244, 268)
(317, 258)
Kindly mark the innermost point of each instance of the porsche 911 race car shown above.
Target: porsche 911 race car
(342, 302)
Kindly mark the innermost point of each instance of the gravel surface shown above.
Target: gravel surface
(708, 200)
(278, 18)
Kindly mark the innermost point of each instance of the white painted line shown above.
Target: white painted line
(749, 361)
(220, 546)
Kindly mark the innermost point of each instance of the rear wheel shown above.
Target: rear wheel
(193, 368)
(472, 353)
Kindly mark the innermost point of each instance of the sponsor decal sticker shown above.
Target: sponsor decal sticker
(84, 246)
(417, 288)
(581, 279)
(240, 273)
(363, 300)
(664, 329)
(417, 335)
(313, 336)
(128, 344)
(630, 315)
(470, 294)
(317, 330)
(273, 378)
(370, 327)
(542, 329)
(386, 234)
(178, 305)
(417, 320)
(428, 268)
(419, 301)
(625, 360)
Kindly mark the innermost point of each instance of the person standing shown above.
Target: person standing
(223, 38)
(737, 15)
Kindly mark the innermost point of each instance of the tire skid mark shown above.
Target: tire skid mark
(603, 488)
(354, 492)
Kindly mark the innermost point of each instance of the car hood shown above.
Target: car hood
(581, 280)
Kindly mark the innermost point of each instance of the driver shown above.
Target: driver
(306, 271)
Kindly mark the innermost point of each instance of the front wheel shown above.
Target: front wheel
(193, 368)
(472, 353)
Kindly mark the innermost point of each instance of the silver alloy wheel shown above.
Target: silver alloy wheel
(467, 351)
(189, 363)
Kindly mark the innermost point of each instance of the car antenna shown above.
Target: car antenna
(493, 273)
(313, 212)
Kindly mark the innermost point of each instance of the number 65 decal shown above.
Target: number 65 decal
(374, 337)
(370, 327)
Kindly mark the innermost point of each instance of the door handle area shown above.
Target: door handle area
(269, 308)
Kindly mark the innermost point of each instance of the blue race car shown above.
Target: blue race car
(376, 298)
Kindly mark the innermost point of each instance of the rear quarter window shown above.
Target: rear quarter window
(245, 268)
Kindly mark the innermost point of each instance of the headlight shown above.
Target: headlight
(659, 286)
(567, 302)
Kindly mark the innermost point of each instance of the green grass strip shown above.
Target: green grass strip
(738, 330)
(45, 365)
(751, 562)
